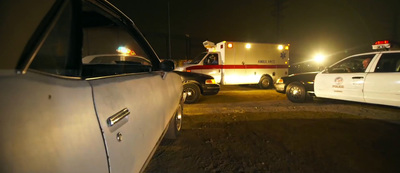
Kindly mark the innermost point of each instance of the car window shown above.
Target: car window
(389, 62)
(108, 46)
(355, 64)
(116, 59)
(198, 58)
(56, 55)
(212, 59)
(98, 45)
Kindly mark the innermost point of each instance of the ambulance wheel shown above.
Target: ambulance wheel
(193, 93)
(175, 124)
(265, 82)
(296, 93)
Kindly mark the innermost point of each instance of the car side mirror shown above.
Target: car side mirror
(167, 65)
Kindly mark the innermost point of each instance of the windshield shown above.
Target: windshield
(357, 64)
(198, 58)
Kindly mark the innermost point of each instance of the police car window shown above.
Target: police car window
(56, 55)
(108, 46)
(389, 62)
(356, 64)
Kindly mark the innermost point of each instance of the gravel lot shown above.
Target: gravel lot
(245, 129)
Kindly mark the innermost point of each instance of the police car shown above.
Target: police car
(197, 84)
(298, 87)
(369, 77)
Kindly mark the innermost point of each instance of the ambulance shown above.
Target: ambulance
(232, 63)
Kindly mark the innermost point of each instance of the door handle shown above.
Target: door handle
(358, 77)
(117, 117)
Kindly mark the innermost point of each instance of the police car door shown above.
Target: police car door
(382, 84)
(343, 80)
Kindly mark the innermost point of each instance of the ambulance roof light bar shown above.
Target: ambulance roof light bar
(385, 44)
(208, 44)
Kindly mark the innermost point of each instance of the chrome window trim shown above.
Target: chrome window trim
(117, 75)
(53, 75)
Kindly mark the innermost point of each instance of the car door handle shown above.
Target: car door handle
(117, 117)
(358, 77)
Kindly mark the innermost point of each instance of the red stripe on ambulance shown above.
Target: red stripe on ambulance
(199, 67)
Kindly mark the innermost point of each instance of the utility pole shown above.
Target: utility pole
(278, 19)
(280, 5)
(187, 36)
(169, 34)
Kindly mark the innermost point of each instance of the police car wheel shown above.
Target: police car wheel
(193, 93)
(295, 92)
(265, 82)
(175, 124)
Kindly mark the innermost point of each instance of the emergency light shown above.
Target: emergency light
(125, 50)
(281, 47)
(385, 44)
(208, 44)
(248, 46)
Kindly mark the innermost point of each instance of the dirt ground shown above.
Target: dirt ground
(245, 129)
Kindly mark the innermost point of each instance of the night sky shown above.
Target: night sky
(336, 28)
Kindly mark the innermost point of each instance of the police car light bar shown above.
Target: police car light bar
(385, 44)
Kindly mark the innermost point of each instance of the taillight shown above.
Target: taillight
(188, 70)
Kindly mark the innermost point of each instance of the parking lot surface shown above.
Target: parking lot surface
(246, 129)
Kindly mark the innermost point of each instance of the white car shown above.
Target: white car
(60, 114)
(369, 77)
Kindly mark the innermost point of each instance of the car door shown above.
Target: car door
(144, 108)
(49, 122)
(382, 84)
(212, 67)
(343, 80)
(133, 100)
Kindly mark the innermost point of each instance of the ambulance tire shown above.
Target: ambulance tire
(265, 82)
(296, 92)
(175, 125)
(193, 93)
